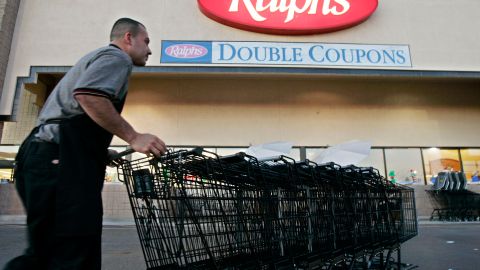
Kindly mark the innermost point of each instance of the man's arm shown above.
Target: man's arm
(101, 110)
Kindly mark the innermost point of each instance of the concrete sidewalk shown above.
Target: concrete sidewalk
(439, 246)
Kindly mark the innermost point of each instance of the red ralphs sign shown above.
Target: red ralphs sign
(289, 17)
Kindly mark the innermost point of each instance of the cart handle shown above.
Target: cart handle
(122, 154)
(172, 155)
(167, 156)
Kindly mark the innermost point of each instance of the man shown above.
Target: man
(61, 165)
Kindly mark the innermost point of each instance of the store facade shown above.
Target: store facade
(404, 75)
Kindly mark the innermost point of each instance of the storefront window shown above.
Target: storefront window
(404, 166)
(7, 156)
(375, 160)
(311, 153)
(471, 164)
(228, 151)
(437, 160)
(294, 153)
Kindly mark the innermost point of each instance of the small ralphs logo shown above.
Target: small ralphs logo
(186, 51)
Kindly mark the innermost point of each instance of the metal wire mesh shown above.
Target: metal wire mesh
(454, 205)
(197, 210)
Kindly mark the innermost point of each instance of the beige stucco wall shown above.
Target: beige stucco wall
(3, 48)
(31, 102)
(2, 9)
(3, 59)
(310, 112)
(8, 15)
(57, 32)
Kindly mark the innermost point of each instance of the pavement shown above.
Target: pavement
(438, 246)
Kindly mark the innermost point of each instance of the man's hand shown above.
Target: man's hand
(148, 144)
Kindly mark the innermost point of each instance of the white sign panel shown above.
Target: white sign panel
(315, 54)
(285, 54)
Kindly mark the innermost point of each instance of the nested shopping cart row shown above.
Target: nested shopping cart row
(451, 200)
(197, 210)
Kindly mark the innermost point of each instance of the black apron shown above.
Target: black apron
(83, 158)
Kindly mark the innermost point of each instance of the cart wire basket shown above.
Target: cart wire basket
(197, 210)
(454, 205)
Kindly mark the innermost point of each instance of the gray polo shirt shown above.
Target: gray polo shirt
(103, 72)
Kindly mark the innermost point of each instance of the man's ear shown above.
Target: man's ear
(127, 38)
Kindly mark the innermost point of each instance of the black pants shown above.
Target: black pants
(36, 182)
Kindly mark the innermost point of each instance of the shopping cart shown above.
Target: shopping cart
(451, 200)
(197, 210)
(451, 205)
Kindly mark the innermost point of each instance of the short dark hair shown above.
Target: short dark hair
(124, 25)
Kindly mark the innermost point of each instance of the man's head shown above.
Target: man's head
(132, 37)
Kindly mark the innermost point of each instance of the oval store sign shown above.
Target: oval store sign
(186, 51)
(289, 17)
